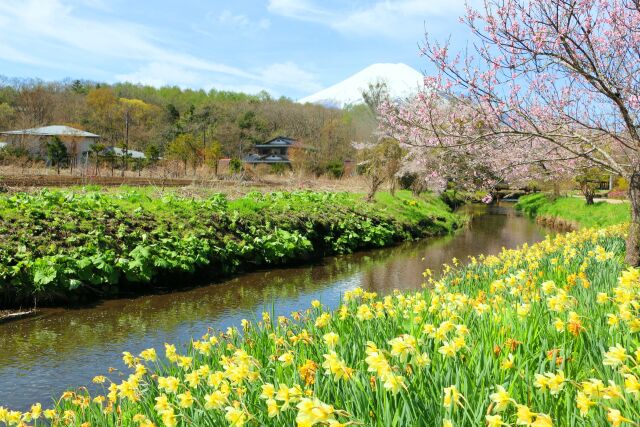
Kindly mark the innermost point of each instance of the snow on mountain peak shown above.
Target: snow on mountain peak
(402, 81)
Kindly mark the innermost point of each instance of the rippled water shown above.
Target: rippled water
(62, 348)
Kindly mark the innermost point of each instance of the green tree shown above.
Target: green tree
(7, 115)
(184, 149)
(589, 180)
(235, 165)
(335, 169)
(137, 119)
(57, 153)
(212, 155)
(152, 152)
(78, 88)
(103, 114)
(96, 150)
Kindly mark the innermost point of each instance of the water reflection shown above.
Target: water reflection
(61, 348)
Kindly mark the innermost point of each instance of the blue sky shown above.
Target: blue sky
(288, 47)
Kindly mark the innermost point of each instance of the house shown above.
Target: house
(274, 151)
(119, 152)
(78, 142)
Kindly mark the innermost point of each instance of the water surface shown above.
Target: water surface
(64, 348)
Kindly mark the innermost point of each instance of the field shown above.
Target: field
(542, 336)
(60, 245)
(202, 182)
(574, 211)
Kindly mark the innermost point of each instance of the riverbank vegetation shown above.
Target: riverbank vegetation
(58, 245)
(573, 211)
(542, 336)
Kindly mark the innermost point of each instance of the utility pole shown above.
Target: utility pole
(204, 143)
(125, 150)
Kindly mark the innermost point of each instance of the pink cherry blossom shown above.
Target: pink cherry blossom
(549, 86)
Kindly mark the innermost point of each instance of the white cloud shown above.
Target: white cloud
(389, 18)
(289, 74)
(54, 22)
(240, 87)
(162, 74)
(273, 78)
(276, 78)
(51, 33)
(102, 5)
(242, 22)
(299, 9)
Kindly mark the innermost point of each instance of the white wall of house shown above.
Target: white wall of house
(77, 147)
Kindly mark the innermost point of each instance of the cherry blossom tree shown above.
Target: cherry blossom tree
(547, 86)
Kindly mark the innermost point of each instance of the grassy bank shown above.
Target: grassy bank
(543, 336)
(572, 211)
(56, 245)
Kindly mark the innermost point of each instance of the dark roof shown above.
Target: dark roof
(271, 158)
(281, 141)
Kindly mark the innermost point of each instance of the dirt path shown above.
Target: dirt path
(598, 199)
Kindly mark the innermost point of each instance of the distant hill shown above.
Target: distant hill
(402, 81)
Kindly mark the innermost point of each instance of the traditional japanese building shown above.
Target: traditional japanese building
(271, 152)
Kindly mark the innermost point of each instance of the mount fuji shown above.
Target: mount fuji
(402, 81)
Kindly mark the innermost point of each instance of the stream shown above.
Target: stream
(40, 357)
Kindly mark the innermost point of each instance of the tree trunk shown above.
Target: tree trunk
(374, 184)
(556, 189)
(588, 192)
(633, 240)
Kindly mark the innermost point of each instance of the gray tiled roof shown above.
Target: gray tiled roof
(119, 152)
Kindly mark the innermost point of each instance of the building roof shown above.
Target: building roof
(119, 152)
(280, 141)
(56, 130)
(271, 158)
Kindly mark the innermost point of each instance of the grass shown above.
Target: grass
(57, 245)
(406, 207)
(574, 210)
(541, 336)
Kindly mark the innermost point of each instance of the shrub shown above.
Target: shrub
(334, 169)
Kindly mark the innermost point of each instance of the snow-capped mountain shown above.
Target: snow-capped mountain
(402, 81)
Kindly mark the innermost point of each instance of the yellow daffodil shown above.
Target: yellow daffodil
(451, 397)
(616, 356)
(500, 398)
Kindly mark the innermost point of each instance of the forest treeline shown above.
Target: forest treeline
(195, 127)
